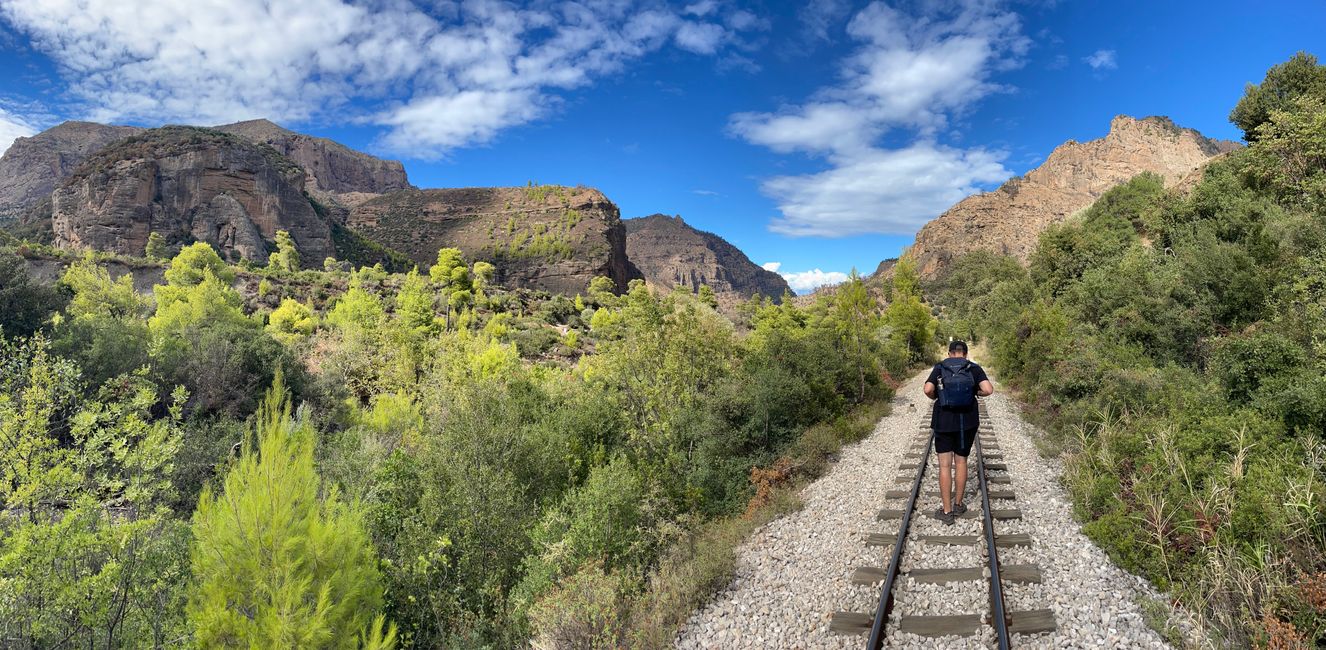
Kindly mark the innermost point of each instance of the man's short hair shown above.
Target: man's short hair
(954, 346)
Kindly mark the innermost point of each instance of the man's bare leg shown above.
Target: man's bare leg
(945, 481)
(960, 469)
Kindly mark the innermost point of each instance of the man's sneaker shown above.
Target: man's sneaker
(959, 508)
(946, 517)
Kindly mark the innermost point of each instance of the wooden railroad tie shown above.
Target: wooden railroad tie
(1001, 541)
(1033, 621)
(1011, 513)
(881, 539)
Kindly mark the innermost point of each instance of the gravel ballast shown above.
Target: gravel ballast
(794, 571)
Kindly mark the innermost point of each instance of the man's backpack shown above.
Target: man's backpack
(957, 387)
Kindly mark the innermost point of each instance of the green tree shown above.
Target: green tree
(483, 273)
(857, 316)
(24, 304)
(286, 257)
(156, 247)
(187, 267)
(414, 302)
(707, 296)
(1289, 157)
(291, 321)
(278, 560)
(448, 260)
(88, 555)
(1284, 83)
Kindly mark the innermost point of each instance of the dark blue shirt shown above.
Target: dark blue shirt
(944, 420)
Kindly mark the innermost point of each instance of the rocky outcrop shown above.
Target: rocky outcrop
(1010, 219)
(188, 184)
(329, 166)
(31, 167)
(670, 253)
(545, 237)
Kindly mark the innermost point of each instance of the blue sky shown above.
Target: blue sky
(817, 135)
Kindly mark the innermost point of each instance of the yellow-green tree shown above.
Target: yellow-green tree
(281, 562)
(286, 257)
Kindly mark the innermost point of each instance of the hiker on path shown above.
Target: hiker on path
(954, 384)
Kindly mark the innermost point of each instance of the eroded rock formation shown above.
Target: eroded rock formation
(670, 253)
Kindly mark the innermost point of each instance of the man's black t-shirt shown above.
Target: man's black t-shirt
(946, 420)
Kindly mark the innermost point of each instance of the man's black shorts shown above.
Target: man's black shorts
(957, 442)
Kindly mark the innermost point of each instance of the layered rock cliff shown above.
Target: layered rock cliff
(1010, 219)
(329, 166)
(670, 253)
(188, 184)
(546, 237)
(31, 167)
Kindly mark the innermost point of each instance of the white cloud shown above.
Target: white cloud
(890, 191)
(436, 75)
(705, 192)
(772, 266)
(806, 281)
(12, 127)
(700, 38)
(914, 72)
(1102, 60)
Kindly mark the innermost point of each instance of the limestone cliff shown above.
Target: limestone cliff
(188, 184)
(1010, 219)
(545, 237)
(670, 253)
(31, 167)
(329, 166)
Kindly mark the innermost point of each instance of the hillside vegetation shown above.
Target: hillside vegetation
(1176, 346)
(366, 459)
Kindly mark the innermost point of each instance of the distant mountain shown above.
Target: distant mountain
(671, 253)
(1010, 219)
(31, 167)
(546, 237)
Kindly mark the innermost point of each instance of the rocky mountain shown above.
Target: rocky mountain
(187, 184)
(329, 166)
(1010, 219)
(547, 237)
(32, 166)
(671, 253)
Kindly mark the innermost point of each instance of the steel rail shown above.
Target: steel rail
(882, 612)
(999, 616)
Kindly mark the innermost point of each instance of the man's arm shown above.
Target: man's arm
(929, 389)
(986, 389)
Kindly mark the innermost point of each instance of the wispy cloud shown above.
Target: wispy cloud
(913, 72)
(706, 193)
(436, 76)
(12, 127)
(1102, 60)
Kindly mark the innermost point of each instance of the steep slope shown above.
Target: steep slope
(31, 167)
(329, 166)
(546, 237)
(187, 184)
(1010, 219)
(671, 253)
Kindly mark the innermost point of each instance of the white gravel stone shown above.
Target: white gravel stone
(794, 571)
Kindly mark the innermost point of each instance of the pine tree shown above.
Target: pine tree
(286, 257)
(279, 561)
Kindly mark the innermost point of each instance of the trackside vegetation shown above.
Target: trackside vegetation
(287, 457)
(1174, 343)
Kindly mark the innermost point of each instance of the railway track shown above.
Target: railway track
(977, 556)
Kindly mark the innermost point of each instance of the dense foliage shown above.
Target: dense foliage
(366, 459)
(1174, 342)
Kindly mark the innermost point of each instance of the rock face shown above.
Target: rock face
(1010, 219)
(544, 237)
(670, 253)
(328, 166)
(31, 167)
(187, 184)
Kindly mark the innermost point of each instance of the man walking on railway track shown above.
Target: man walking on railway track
(954, 384)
